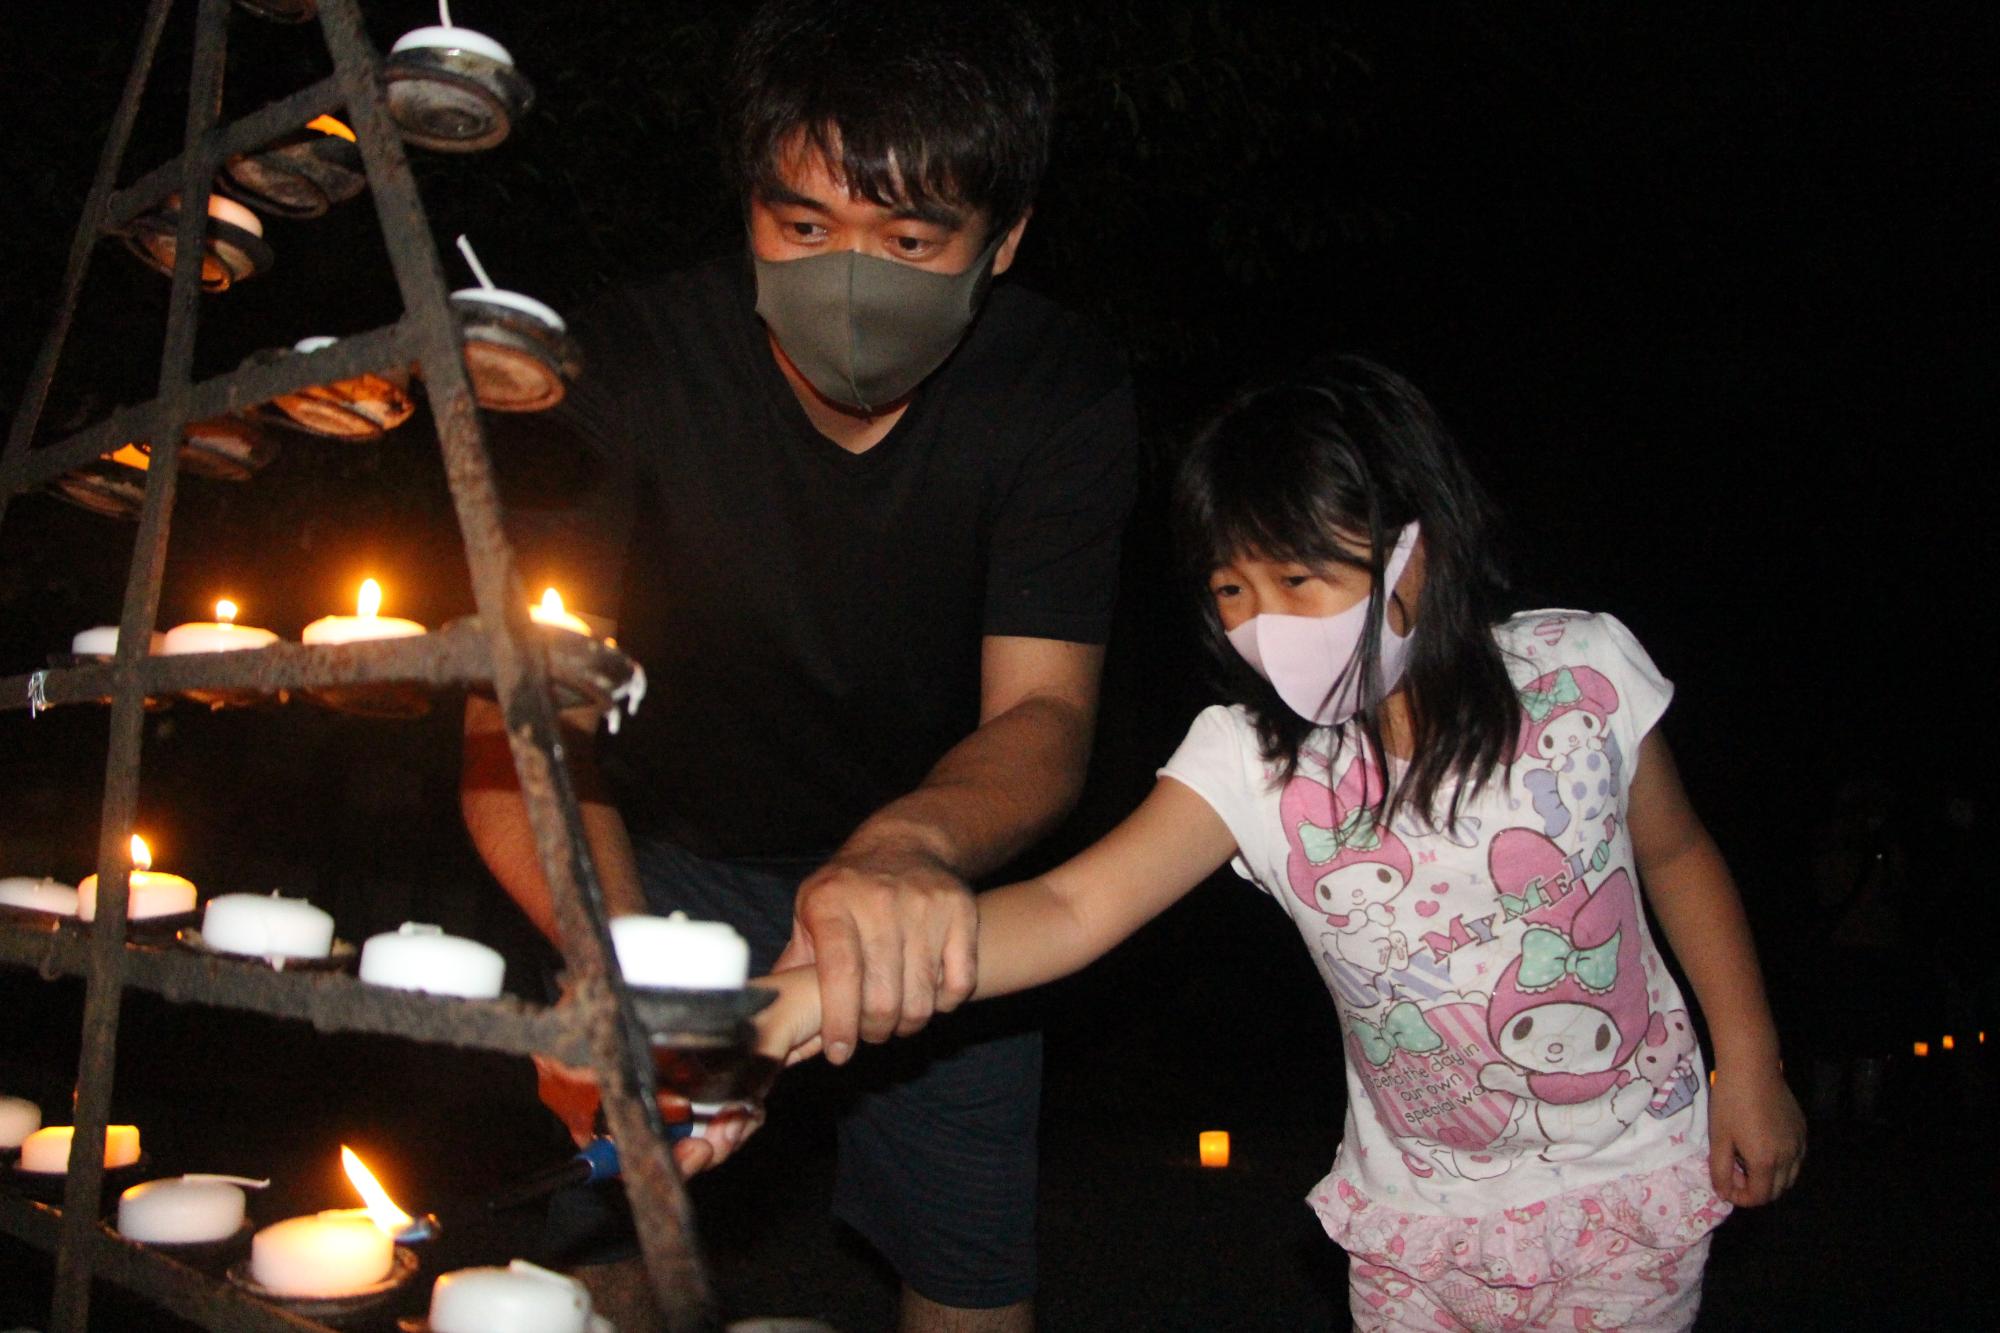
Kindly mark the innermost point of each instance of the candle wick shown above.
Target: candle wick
(478, 270)
(444, 13)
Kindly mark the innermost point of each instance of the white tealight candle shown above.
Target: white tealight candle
(676, 952)
(550, 611)
(453, 39)
(520, 1298)
(221, 635)
(102, 641)
(364, 626)
(152, 892)
(183, 1210)
(47, 1149)
(421, 957)
(19, 1118)
(38, 895)
(335, 1253)
(266, 927)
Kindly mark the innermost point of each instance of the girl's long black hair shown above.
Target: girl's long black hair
(1347, 448)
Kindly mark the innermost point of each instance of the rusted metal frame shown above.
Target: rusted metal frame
(188, 1293)
(454, 655)
(389, 347)
(267, 124)
(330, 1001)
(103, 993)
(618, 1041)
(34, 396)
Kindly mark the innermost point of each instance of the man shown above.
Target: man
(860, 503)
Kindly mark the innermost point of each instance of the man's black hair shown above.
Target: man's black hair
(917, 103)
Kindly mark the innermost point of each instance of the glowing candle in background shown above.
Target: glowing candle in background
(1948, 1043)
(1215, 1147)
(221, 635)
(367, 624)
(47, 1149)
(19, 1118)
(550, 611)
(152, 892)
(1921, 1048)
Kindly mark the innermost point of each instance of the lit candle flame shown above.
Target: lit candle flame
(225, 611)
(382, 1210)
(328, 125)
(370, 601)
(1214, 1147)
(1920, 1048)
(142, 855)
(131, 455)
(552, 603)
(1949, 1043)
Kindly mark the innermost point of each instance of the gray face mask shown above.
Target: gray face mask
(866, 331)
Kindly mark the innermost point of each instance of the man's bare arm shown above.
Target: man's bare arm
(889, 919)
(490, 798)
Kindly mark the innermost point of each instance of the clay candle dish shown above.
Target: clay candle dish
(453, 89)
(152, 892)
(47, 1149)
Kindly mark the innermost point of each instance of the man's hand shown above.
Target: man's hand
(894, 934)
(1756, 1136)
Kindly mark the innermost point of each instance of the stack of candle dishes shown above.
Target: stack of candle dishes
(233, 246)
(364, 406)
(300, 175)
(520, 1298)
(280, 931)
(517, 349)
(453, 89)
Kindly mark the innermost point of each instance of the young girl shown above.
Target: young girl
(1457, 810)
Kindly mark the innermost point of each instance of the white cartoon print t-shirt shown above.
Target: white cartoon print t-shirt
(1511, 1032)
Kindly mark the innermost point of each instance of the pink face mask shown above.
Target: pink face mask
(1302, 656)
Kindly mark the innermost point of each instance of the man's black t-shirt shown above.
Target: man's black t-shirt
(810, 620)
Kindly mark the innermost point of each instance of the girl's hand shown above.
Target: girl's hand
(1756, 1137)
(788, 1029)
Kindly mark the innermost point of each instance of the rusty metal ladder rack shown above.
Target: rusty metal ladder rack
(600, 1024)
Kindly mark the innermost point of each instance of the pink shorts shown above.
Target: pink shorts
(1611, 1281)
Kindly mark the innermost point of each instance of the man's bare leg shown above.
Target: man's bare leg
(923, 1315)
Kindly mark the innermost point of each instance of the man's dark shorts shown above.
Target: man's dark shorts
(936, 1135)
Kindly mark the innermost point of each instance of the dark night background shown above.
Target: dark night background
(1706, 291)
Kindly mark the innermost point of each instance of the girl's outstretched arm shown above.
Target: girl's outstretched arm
(1757, 1134)
(1042, 929)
